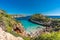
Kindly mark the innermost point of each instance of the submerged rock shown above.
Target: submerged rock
(7, 36)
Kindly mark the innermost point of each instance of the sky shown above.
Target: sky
(29, 7)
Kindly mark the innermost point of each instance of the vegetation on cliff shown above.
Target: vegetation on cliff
(39, 17)
(9, 24)
(48, 36)
(52, 31)
(46, 21)
(7, 36)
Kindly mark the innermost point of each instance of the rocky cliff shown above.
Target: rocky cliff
(9, 24)
(7, 36)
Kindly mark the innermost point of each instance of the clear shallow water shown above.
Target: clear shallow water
(29, 26)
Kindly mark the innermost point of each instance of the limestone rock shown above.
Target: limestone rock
(7, 36)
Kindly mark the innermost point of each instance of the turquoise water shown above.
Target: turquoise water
(29, 26)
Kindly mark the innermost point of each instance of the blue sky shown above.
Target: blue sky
(28, 7)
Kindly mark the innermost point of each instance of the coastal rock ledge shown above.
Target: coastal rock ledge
(7, 36)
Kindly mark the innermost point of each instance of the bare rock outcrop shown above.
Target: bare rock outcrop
(7, 36)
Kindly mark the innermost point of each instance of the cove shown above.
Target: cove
(28, 26)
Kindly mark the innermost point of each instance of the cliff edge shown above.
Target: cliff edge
(7, 36)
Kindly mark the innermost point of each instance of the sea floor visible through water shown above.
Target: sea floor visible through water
(29, 26)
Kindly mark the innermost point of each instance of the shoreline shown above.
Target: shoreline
(36, 22)
(39, 31)
(36, 32)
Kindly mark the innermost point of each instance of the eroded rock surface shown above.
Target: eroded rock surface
(7, 36)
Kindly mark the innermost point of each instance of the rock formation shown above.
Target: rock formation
(9, 24)
(7, 36)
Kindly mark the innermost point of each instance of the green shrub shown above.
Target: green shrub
(49, 36)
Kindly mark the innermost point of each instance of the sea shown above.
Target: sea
(29, 26)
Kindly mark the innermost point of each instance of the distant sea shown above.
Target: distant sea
(54, 16)
(29, 26)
